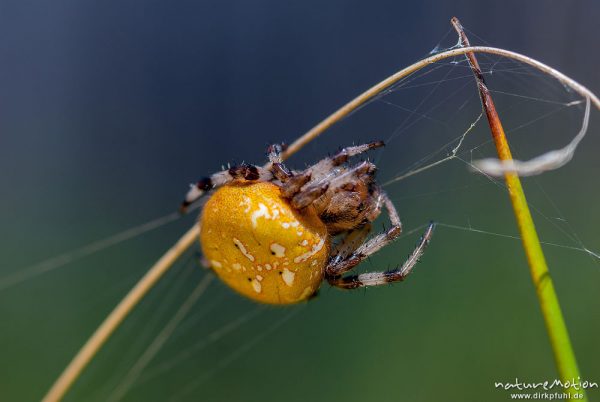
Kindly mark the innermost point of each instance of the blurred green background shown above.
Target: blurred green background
(109, 109)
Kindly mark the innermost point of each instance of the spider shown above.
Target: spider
(273, 234)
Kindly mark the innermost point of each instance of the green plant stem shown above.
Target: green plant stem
(551, 311)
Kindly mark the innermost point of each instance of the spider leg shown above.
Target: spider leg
(306, 196)
(345, 153)
(280, 171)
(303, 190)
(292, 186)
(242, 172)
(327, 164)
(361, 171)
(274, 152)
(381, 278)
(349, 243)
(321, 176)
(337, 268)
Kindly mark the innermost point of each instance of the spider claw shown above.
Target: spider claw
(183, 208)
(376, 144)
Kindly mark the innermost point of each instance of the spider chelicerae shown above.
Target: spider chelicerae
(273, 234)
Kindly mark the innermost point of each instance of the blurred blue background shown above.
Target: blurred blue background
(109, 109)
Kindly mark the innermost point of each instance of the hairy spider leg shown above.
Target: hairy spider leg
(242, 172)
(350, 241)
(280, 171)
(309, 194)
(335, 269)
(304, 196)
(339, 266)
(394, 275)
(326, 165)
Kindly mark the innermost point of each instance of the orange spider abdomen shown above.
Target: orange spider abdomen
(262, 247)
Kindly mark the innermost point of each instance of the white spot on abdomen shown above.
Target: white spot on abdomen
(256, 286)
(216, 264)
(275, 213)
(246, 203)
(307, 255)
(287, 225)
(288, 277)
(242, 248)
(262, 211)
(278, 250)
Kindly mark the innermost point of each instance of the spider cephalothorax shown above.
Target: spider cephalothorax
(268, 232)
